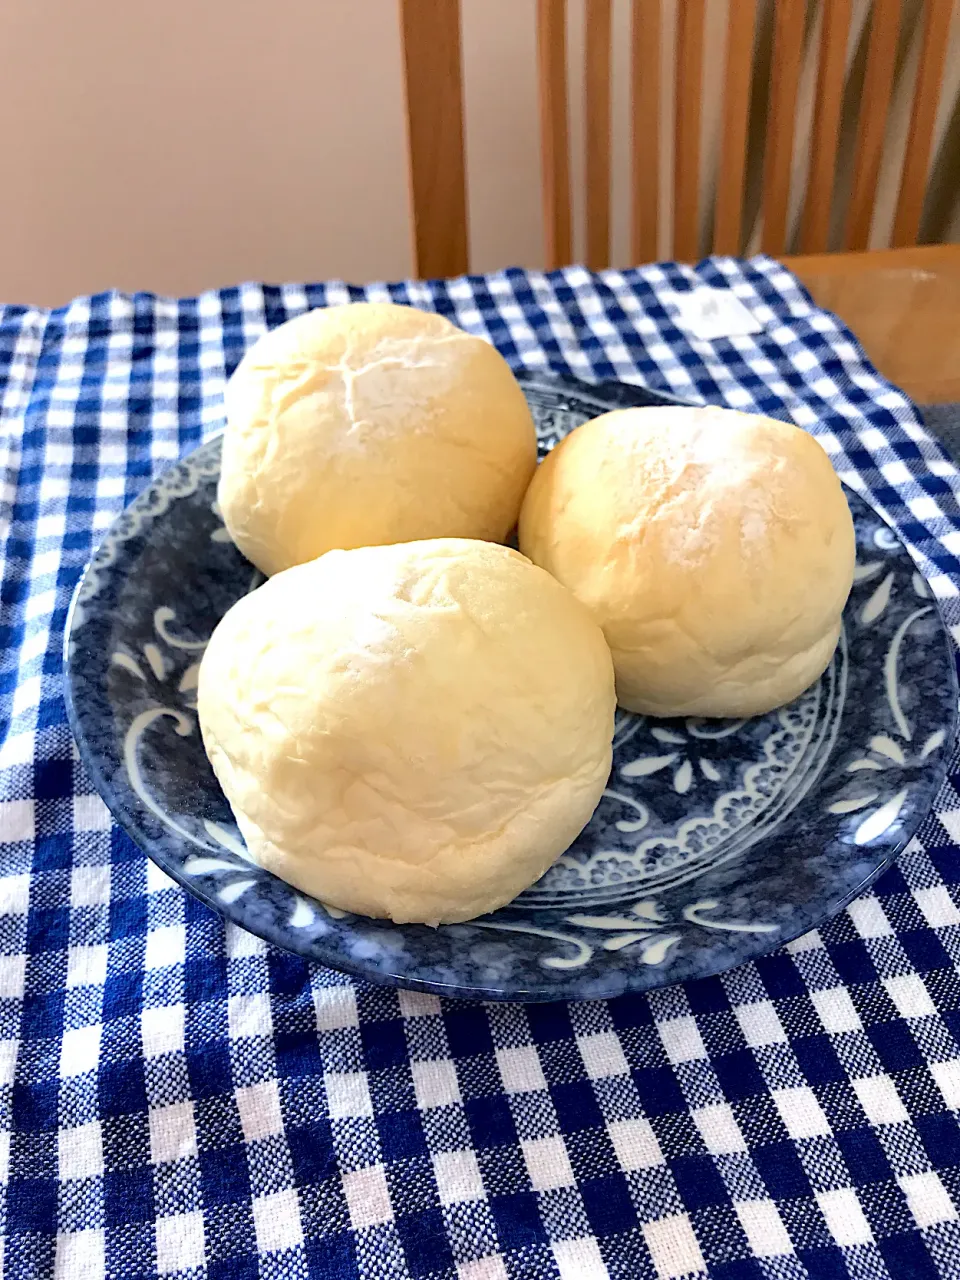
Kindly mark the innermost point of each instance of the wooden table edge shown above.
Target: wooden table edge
(903, 305)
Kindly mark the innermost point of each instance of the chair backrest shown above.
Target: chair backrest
(431, 40)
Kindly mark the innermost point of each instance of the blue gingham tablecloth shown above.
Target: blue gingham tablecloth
(177, 1098)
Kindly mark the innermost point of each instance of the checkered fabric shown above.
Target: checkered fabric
(177, 1098)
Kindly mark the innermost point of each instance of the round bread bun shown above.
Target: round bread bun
(414, 731)
(367, 424)
(715, 549)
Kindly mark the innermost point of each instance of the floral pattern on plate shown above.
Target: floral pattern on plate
(714, 841)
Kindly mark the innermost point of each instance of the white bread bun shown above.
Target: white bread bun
(412, 731)
(715, 549)
(366, 424)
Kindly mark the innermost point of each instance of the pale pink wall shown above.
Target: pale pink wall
(190, 143)
(502, 132)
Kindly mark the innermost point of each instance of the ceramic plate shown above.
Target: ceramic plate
(714, 841)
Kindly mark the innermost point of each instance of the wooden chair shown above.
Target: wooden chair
(431, 42)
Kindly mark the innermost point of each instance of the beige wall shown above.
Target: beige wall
(202, 142)
(197, 142)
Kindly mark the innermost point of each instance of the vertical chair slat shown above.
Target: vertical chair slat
(433, 86)
(875, 103)
(597, 132)
(781, 121)
(554, 145)
(728, 219)
(831, 75)
(926, 98)
(691, 16)
(645, 107)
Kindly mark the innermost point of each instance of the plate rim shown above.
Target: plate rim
(319, 952)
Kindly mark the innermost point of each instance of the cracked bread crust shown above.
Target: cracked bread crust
(413, 731)
(369, 424)
(714, 548)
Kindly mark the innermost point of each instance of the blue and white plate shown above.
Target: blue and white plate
(714, 841)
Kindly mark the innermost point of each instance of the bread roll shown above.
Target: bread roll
(414, 731)
(367, 424)
(714, 548)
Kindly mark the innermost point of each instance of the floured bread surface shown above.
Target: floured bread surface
(368, 424)
(715, 549)
(413, 731)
